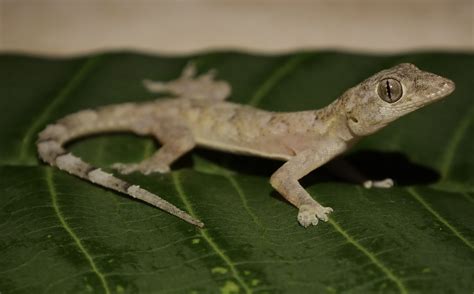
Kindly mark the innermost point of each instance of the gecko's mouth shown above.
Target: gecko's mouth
(446, 88)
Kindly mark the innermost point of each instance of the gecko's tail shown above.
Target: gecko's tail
(50, 148)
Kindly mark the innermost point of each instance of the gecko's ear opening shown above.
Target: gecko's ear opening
(354, 119)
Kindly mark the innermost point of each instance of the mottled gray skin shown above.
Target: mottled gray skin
(305, 140)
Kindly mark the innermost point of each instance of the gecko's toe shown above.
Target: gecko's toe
(309, 214)
(162, 169)
(124, 168)
(307, 218)
(322, 213)
(386, 183)
(155, 86)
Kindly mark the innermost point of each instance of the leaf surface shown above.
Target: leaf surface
(61, 234)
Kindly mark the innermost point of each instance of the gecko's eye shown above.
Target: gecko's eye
(390, 90)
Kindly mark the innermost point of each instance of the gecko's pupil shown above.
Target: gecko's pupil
(390, 90)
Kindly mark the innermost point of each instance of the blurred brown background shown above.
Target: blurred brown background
(71, 27)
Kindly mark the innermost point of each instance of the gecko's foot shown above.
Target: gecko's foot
(191, 85)
(310, 214)
(144, 168)
(386, 183)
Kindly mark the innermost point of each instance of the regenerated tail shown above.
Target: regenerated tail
(50, 148)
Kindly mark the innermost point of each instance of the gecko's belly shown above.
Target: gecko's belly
(247, 149)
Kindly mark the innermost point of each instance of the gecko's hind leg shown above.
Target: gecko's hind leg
(188, 85)
(176, 140)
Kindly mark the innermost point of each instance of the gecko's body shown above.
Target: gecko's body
(200, 116)
(243, 129)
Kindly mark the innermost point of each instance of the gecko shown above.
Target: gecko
(196, 113)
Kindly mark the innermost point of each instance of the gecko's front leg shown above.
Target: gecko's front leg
(285, 181)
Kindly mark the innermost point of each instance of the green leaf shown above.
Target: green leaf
(62, 234)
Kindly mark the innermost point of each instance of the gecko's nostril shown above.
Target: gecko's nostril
(450, 85)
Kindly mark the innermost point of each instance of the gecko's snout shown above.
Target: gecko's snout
(441, 88)
(429, 87)
(449, 85)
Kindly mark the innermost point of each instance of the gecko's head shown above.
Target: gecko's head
(390, 94)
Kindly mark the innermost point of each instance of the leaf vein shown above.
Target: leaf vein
(290, 65)
(241, 194)
(468, 197)
(206, 237)
(75, 238)
(371, 256)
(454, 142)
(441, 219)
(62, 94)
(163, 269)
(23, 264)
(147, 149)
